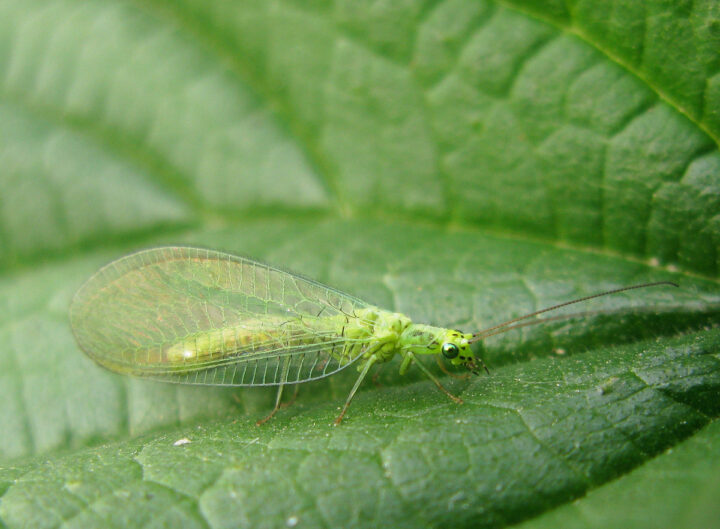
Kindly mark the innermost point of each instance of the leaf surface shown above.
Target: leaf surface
(462, 162)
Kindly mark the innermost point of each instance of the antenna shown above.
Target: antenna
(507, 325)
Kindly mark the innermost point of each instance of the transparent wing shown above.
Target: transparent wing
(203, 317)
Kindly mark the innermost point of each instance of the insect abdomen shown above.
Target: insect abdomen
(258, 337)
(214, 344)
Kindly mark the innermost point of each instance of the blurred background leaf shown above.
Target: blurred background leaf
(463, 162)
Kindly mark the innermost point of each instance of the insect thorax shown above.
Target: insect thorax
(394, 333)
(383, 329)
(418, 337)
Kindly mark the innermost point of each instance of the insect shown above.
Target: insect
(197, 316)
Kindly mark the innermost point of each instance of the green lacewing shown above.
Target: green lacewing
(198, 316)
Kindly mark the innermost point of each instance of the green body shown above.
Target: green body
(196, 316)
(372, 331)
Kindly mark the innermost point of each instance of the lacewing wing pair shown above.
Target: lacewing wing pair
(197, 316)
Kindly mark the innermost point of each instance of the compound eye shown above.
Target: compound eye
(450, 350)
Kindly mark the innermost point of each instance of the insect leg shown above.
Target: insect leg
(283, 380)
(368, 364)
(464, 376)
(432, 377)
(293, 399)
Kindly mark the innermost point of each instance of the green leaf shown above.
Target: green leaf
(677, 489)
(463, 162)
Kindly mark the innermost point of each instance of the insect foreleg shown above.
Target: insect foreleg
(368, 364)
(450, 373)
(432, 377)
(406, 362)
